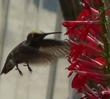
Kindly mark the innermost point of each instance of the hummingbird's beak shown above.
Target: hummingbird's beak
(52, 33)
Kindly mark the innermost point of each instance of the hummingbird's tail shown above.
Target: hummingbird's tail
(6, 70)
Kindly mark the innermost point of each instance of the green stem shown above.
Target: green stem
(104, 38)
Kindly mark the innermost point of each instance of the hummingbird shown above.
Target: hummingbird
(35, 49)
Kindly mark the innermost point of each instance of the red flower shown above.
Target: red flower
(87, 51)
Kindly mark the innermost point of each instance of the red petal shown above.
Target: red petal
(101, 60)
(72, 66)
(79, 81)
(97, 77)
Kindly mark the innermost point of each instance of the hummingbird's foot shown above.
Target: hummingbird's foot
(20, 72)
(29, 68)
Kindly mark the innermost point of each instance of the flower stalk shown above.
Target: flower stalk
(104, 37)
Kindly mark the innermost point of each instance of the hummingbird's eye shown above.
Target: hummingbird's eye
(31, 36)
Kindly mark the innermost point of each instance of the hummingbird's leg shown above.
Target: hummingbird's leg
(20, 72)
(29, 68)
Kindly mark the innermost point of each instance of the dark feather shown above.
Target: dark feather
(50, 50)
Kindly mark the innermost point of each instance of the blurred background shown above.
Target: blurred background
(17, 19)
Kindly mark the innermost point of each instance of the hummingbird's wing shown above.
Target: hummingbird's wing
(51, 50)
(55, 48)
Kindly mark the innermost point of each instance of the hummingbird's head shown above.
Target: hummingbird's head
(34, 36)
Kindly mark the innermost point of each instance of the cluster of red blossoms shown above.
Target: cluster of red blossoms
(89, 53)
